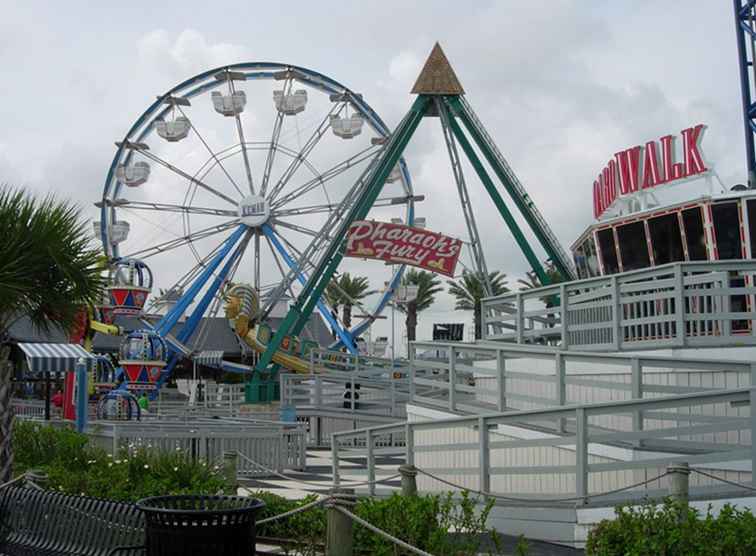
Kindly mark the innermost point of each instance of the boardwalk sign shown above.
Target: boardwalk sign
(638, 170)
(400, 244)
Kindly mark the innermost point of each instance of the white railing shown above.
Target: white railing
(566, 455)
(324, 360)
(693, 304)
(494, 376)
(275, 445)
(29, 409)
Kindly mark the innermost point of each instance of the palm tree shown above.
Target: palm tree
(532, 281)
(471, 288)
(332, 297)
(349, 290)
(427, 288)
(49, 270)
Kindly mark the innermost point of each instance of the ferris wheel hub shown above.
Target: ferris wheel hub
(254, 211)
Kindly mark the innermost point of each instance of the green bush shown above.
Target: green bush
(76, 467)
(422, 521)
(438, 524)
(304, 532)
(673, 529)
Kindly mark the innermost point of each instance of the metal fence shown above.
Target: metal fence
(494, 376)
(691, 304)
(275, 445)
(325, 361)
(566, 455)
(28, 409)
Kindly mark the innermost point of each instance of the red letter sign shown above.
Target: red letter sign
(397, 243)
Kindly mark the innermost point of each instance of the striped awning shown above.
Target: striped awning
(210, 358)
(55, 358)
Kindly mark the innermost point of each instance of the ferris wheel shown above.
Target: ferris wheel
(271, 154)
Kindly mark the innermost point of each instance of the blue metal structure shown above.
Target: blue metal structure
(745, 32)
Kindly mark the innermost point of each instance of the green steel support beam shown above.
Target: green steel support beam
(493, 192)
(298, 314)
(458, 109)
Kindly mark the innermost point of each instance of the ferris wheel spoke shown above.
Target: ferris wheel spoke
(188, 276)
(162, 207)
(301, 158)
(298, 253)
(186, 176)
(338, 169)
(316, 209)
(307, 332)
(180, 241)
(217, 301)
(280, 268)
(257, 261)
(298, 270)
(242, 143)
(212, 154)
(272, 152)
(303, 230)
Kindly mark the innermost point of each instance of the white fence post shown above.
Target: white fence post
(318, 391)
(560, 382)
(452, 379)
(335, 458)
(409, 444)
(412, 372)
(564, 318)
(616, 306)
(680, 339)
(581, 455)
(636, 389)
(520, 317)
(501, 381)
(484, 459)
(370, 462)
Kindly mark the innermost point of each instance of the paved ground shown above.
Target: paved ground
(317, 480)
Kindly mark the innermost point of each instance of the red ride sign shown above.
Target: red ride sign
(400, 244)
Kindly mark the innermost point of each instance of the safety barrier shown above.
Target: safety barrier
(568, 455)
(494, 376)
(690, 304)
(279, 445)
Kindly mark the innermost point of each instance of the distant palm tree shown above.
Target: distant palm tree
(470, 289)
(332, 297)
(427, 288)
(348, 290)
(49, 270)
(532, 281)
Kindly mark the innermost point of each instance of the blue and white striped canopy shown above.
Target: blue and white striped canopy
(55, 358)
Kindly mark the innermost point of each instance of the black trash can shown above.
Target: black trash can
(201, 525)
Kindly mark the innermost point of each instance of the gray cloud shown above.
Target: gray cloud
(560, 89)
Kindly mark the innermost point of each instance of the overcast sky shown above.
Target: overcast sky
(560, 87)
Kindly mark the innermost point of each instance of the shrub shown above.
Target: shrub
(304, 532)
(76, 467)
(673, 529)
(438, 524)
(422, 521)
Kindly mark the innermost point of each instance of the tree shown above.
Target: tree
(348, 290)
(532, 281)
(332, 297)
(470, 289)
(427, 288)
(49, 270)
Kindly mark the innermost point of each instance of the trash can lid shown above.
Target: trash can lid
(199, 504)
